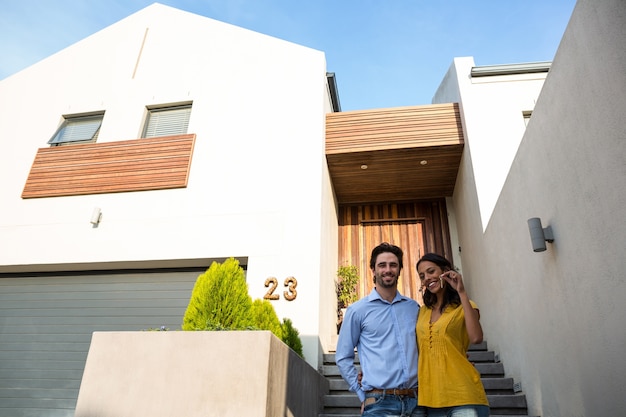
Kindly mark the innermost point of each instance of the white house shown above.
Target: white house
(241, 173)
(190, 141)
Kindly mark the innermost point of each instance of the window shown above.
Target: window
(78, 129)
(166, 121)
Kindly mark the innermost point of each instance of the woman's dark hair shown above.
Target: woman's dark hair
(386, 247)
(450, 295)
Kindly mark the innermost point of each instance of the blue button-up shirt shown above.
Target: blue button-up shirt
(384, 335)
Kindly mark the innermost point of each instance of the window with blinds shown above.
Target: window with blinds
(78, 129)
(167, 121)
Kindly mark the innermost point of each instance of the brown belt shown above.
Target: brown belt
(409, 392)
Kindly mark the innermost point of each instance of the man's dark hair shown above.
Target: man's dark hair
(386, 247)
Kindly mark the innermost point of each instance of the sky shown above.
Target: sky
(384, 53)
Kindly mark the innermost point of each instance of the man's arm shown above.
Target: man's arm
(349, 337)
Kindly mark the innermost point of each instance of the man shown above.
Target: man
(382, 328)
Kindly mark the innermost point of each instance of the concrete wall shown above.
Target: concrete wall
(258, 187)
(164, 374)
(492, 109)
(557, 317)
(493, 121)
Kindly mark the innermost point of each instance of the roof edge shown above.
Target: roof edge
(509, 69)
(334, 93)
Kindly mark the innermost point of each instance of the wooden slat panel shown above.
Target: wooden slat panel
(95, 168)
(395, 128)
(410, 153)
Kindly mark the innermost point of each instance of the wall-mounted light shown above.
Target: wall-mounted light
(539, 235)
(96, 216)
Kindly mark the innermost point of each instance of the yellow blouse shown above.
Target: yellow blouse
(446, 377)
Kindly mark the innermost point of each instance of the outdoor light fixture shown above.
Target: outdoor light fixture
(539, 235)
(96, 216)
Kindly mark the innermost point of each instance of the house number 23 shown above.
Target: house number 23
(290, 294)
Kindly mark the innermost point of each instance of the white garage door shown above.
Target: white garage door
(46, 324)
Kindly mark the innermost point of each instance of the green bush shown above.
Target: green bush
(291, 337)
(220, 300)
(265, 318)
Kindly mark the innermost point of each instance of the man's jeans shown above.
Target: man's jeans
(386, 405)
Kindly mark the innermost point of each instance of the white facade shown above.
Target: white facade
(493, 110)
(258, 185)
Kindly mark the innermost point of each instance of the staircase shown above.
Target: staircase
(505, 397)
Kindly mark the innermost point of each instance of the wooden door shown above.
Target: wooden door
(417, 228)
(409, 236)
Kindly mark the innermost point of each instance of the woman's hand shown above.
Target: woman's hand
(455, 280)
(472, 316)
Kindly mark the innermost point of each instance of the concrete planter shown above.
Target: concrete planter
(165, 374)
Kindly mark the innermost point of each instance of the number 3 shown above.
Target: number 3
(291, 283)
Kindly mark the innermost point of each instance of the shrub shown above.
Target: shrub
(220, 300)
(291, 337)
(264, 317)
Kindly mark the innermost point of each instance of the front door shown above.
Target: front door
(417, 228)
(409, 236)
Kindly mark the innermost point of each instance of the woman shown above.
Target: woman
(449, 385)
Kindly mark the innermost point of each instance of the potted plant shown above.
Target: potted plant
(348, 278)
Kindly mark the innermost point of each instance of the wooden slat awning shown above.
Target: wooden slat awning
(395, 154)
(110, 167)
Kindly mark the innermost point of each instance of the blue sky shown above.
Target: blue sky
(384, 53)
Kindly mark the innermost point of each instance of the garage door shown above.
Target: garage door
(46, 324)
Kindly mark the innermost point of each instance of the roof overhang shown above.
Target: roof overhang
(396, 154)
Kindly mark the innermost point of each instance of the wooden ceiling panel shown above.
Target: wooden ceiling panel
(392, 155)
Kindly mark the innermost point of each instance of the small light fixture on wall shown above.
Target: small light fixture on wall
(539, 235)
(96, 216)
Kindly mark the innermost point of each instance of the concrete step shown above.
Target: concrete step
(333, 370)
(507, 401)
(475, 347)
(490, 369)
(476, 353)
(499, 385)
(487, 370)
(330, 358)
(481, 356)
(342, 413)
(342, 400)
(492, 385)
(478, 346)
(500, 401)
(504, 402)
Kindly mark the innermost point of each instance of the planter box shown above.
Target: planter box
(165, 374)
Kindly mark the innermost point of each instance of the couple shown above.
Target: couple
(383, 327)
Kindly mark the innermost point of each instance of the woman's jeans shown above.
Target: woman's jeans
(460, 411)
(386, 405)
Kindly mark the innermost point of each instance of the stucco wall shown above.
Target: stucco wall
(492, 114)
(557, 317)
(197, 374)
(257, 185)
